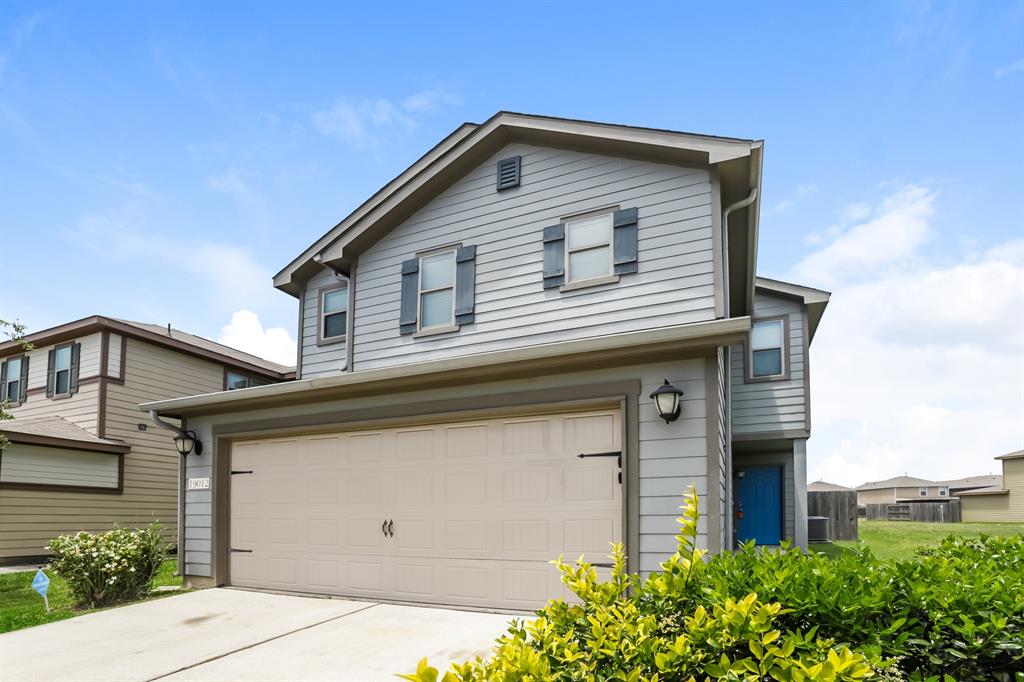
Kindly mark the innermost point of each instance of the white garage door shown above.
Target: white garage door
(466, 513)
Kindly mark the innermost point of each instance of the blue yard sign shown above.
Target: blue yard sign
(40, 584)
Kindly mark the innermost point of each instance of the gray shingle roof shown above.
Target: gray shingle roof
(823, 486)
(895, 482)
(52, 427)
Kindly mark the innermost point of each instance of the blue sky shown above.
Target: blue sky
(161, 161)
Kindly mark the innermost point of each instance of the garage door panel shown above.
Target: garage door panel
(478, 508)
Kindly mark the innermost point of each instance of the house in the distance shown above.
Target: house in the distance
(1002, 502)
(80, 456)
(911, 489)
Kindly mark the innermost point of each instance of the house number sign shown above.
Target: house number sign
(198, 484)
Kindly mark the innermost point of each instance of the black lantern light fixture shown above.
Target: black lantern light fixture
(186, 442)
(666, 399)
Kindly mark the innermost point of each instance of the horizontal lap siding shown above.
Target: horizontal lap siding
(79, 409)
(674, 284)
(672, 457)
(771, 406)
(317, 360)
(57, 466)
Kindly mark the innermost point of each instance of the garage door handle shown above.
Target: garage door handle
(384, 528)
(391, 528)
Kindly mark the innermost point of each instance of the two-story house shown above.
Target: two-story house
(80, 456)
(529, 343)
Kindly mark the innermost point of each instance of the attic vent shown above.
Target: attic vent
(508, 173)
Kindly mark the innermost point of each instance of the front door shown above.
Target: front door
(759, 501)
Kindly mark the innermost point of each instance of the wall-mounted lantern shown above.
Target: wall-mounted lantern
(186, 442)
(666, 399)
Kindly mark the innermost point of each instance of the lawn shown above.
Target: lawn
(22, 607)
(899, 539)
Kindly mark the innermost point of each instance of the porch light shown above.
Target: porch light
(666, 399)
(186, 441)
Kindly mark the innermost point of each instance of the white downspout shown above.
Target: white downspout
(742, 203)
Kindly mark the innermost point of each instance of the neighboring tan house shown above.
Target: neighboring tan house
(80, 456)
(825, 487)
(910, 489)
(530, 343)
(1003, 502)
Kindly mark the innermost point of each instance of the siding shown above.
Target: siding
(29, 518)
(771, 406)
(671, 456)
(1009, 507)
(114, 356)
(57, 466)
(877, 496)
(674, 284)
(318, 361)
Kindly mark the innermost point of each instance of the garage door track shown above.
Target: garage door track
(229, 634)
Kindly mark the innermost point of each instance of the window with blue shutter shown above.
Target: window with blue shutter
(439, 291)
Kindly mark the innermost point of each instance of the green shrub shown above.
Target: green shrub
(628, 629)
(110, 567)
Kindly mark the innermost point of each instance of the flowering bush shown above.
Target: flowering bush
(105, 568)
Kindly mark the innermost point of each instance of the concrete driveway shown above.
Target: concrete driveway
(226, 634)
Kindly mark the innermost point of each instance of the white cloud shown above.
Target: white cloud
(245, 332)
(234, 185)
(899, 226)
(1014, 67)
(918, 366)
(364, 121)
(802, 190)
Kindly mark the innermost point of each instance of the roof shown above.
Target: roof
(159, 335)
(994, 490)
(986, 481)
(1019, 454)
(896, 482)
(814, 299)
(58, 432)
(565, 356)
(824, 486)
(738, 161)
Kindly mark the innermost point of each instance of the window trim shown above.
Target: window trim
(748, 352)
(22, 390)
(922, 491)
(249, 377)
(607, 278)
(452, 326)
(322, 340)
(943, 491)
(71, 352)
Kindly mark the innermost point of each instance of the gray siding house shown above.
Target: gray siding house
(530, 343)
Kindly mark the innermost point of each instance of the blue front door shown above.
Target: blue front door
(760, 505)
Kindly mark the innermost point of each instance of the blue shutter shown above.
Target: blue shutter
(554, 256)
(76, 356)
(410, 296)
(625, 241)
(465, 285)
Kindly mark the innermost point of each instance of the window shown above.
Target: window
(62, 370)
(12, 390)
(943, 491)
(234, 380)
(767, 343)
(588, 253)
(923, 491)
(437, 290)
(333, 314)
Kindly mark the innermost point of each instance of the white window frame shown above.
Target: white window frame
(250, 380)
(322, 338)
(6, 392)
(783, 321)
(943, 491)
(57, 371)
(609, 275)
(922, 491)
(453, 251)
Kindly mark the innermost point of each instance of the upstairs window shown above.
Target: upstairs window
(14, 377)
(588, 253)
(234, 380)
(767, 359)
(333, 314)
(943, 491)
(923, 491)
(437, 290)
(62, 370)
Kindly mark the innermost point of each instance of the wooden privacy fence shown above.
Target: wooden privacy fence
(840, 507)
(946, 511)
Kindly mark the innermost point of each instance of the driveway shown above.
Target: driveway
(226, 634)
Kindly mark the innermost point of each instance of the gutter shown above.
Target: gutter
(735, 206)
(489, 366)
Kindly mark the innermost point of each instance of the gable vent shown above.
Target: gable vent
(508, 173)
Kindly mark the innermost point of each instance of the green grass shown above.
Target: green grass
(22, 607)
(900, 539)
